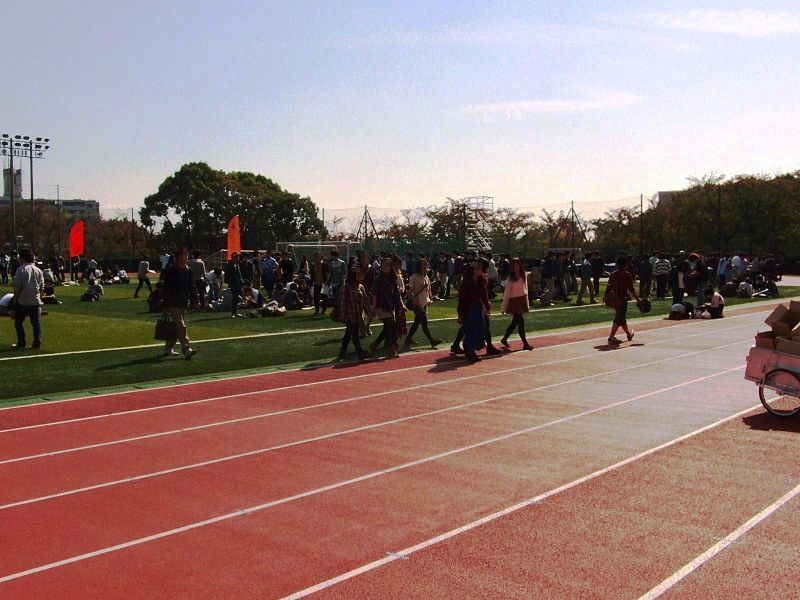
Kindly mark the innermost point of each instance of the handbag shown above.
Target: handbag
(166, 328)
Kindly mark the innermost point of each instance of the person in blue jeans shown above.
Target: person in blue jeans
(28, 288)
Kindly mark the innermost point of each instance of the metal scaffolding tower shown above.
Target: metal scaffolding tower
(476, 213)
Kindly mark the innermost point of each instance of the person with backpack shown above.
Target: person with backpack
(620, 284)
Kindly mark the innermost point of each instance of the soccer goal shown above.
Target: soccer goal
(298, 249)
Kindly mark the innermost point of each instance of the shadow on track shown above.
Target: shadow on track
(766, 422)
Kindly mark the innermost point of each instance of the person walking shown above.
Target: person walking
(515, 302)
(386, 302)
(233, 275)
(621, 281)
(473, 300)
(28, 286)
(351, 313)
(179, 294)
(319, 275)
(420, 293)
(198, 269)
(661, 270)
(586, 280)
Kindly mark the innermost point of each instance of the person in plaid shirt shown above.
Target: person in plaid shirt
(351, 308)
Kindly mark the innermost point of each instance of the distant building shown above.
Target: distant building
(660, 197)
(74, 206)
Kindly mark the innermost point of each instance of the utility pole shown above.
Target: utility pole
(33, 213)
(719, 219)
(133, 237)
(641, 224)
(58, 202)
(572, 212)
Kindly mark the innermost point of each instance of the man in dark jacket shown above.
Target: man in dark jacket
(179, 294)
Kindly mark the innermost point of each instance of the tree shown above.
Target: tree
(205, 199)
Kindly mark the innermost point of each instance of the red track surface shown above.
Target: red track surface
(387, 464)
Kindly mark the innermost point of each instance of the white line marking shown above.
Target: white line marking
(731, 538)
(341, 401)
(211, 379)
(380, 473)
(324, 382)
(506, 511)
(365, 428)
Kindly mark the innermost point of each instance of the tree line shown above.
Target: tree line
(752, 214)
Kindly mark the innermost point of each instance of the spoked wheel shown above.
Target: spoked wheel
(780, 393)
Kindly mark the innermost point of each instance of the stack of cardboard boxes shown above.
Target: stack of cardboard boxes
(784, 334)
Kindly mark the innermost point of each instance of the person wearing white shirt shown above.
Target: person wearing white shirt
(28, 288)
(736, 267)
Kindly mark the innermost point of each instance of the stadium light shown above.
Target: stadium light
(22, 146)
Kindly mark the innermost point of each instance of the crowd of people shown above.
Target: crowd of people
(392, 290)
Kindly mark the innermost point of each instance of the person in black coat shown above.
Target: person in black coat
(179, 294)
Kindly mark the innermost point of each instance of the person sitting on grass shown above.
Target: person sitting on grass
(93, 293)
(251, 298)
(680, 311)
(768, 289)
(745, 289)
(715, 303)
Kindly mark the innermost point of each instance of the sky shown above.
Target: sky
(402, 104)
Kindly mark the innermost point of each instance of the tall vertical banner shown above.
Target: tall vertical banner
(76, 239)
(234, 241)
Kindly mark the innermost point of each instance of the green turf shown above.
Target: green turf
(118, 320)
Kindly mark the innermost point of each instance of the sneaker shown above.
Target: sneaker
(614, 341)
(19, 346)
(189, 352)
(341, 357)
(474, 358)
(505, 343)
(456, 350)
(630, 335)
(491, 350)
(170, 353)
(36, 345)
(363, 356)
(435, 342)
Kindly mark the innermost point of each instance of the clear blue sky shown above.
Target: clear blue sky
(402, 104)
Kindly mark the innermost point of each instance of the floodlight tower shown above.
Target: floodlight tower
(23, 146)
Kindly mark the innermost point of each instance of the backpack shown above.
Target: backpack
(610, 297)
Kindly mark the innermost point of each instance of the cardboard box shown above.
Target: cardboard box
(783, 319)
(788, 346)
(766, 339)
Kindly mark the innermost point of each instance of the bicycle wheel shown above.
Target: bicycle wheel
(780, 393)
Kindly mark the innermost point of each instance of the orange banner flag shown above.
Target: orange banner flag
(76, 239)
(234, 242)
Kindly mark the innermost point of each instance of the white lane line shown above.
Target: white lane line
(212, 380)
(324, 382)
(729, 539)
(368, 476)
(365, 428)
(506, 511)
(351, 399)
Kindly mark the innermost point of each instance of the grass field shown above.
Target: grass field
(110, 327)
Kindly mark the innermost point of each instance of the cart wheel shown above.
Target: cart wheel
(780, 392)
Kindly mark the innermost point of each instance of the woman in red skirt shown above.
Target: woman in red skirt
(515, 302)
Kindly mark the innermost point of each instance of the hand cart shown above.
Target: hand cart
(778, 377)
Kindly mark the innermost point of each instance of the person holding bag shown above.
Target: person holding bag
(351, 311)
(179, 294)
(621, 284)
(386, 302)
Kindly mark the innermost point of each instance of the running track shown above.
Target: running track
(573, 471)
